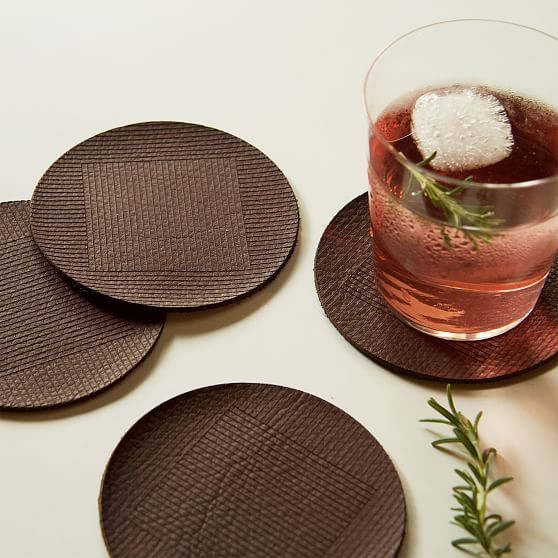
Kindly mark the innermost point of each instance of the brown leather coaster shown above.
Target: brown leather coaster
(250, 471)
(166, 214)
(345, 281)
(56, 346)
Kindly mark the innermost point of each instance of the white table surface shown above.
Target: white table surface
(287, 77)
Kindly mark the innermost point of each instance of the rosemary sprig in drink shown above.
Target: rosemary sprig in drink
(476, 223)
(472, 514)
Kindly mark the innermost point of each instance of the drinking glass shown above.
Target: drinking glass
(464, 255)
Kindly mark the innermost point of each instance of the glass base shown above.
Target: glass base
(457, 313)
(453, 336)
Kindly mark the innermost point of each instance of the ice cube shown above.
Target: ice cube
(468, 129)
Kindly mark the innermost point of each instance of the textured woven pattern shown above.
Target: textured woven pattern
(135, 233)
(166, 214)
(345, 280)
(251, 471)
(56, 346)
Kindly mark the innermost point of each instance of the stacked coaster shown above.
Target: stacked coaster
(251, 470)
(345, 281)
(166, 214)
(129, 223)
(58, 345)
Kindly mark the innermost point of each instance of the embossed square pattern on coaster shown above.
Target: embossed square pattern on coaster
(345, 281)
(56, 344)
(251, 471)
(166, 214)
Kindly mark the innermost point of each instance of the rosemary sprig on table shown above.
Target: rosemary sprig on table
(472, 514)
(459, 215)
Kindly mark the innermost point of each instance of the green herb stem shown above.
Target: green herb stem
(476, 223)
(472, 496)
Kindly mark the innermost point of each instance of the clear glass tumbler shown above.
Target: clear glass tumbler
(463, 170)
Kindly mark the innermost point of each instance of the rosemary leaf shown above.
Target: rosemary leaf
(443, 441)
(498, 482)
(437, 421)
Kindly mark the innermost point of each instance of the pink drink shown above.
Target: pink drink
(433, 275)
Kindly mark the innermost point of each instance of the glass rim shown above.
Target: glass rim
(430, 173)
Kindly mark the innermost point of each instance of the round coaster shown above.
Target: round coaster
(56, 346)
(166, 214)
(345, 281)
(254, 471)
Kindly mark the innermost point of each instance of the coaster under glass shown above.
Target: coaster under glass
(346, 285)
